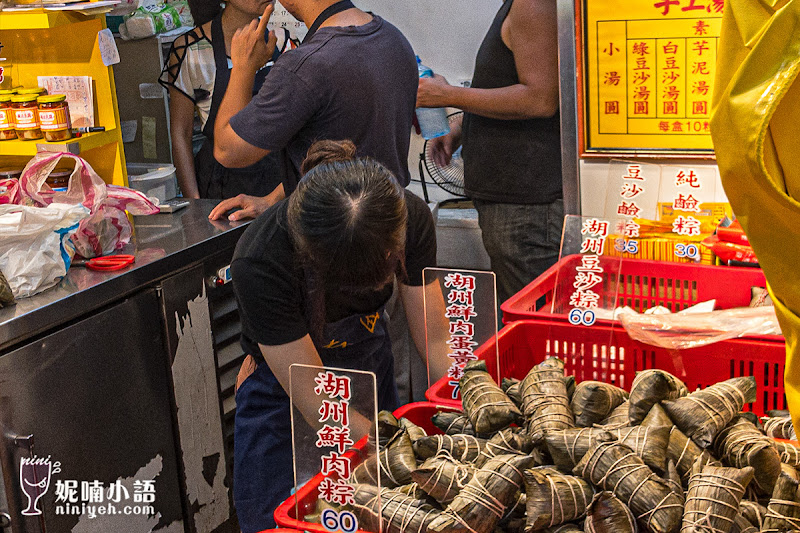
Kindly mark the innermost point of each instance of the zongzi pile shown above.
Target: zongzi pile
(607, 514)
(712, 501)
(741, 444)
(703, 414)
(554, 498)
(544, 398)
(613, 466)
(484, 500)
(485, 404)
(442, 477)
(650, 387)
(593, 401)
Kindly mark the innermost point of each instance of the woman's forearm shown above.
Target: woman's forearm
(183, 159)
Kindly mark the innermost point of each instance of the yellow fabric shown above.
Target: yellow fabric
(756, 133)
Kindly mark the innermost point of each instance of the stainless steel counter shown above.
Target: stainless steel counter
(163, 244)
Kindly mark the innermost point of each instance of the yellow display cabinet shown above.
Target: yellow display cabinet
(39, 42)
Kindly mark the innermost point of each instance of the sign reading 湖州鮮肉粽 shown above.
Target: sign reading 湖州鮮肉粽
(649, 73)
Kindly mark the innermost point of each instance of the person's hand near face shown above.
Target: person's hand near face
(249, 50)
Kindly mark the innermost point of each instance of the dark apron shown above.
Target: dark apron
(213, 179)
(263, 473)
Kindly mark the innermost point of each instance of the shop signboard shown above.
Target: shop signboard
(460, 315)
(648, 71)
(333, 411)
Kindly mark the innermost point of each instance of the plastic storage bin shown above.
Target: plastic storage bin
(154, 180)
(285, 515)
(606, 353)
(642, 284)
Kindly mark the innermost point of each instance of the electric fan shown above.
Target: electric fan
(450, 177)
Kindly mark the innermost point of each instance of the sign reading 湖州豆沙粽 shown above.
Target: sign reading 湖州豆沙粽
(648, 72)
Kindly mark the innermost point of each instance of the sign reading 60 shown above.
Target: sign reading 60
(335, 521)
(581, 317)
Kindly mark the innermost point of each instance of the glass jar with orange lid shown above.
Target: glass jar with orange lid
(26, 117)
(54, 117)
(7, 131)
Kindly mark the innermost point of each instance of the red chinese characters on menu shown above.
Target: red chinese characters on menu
(460, 311)
(336, 391)
(651, 73)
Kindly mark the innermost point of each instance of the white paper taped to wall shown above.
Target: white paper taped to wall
(78, 90)
(151, 91)
(129, 128)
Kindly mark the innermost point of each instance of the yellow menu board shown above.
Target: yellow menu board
(649, 68)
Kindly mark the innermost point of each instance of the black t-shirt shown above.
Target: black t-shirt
(268, 282)
(349, 82)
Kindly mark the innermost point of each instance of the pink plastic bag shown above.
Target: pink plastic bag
(9, 191)
(107, 228)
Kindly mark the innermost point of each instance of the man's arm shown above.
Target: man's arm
(530, 31)
(248, 206)
(249, 52)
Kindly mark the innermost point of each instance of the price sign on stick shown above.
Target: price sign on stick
(334, 428)
(687, 207)
(460, 316)
(631, 197)
(586, 292)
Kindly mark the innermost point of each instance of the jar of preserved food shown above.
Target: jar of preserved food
(38, 91)
(7, 130)
(58, 179)
(54, 117)
(26, 117)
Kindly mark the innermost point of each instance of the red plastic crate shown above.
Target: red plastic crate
(642, 284)
(419, 413)
(607, 353)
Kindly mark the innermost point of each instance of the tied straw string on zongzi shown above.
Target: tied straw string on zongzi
(794, 522)
(730, 410)
(654, 506)
(701, 501)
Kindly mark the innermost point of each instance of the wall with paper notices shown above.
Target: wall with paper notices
(142, 110)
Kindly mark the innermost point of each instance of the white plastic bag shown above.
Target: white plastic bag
(689, 330)
(107, 228)
(35, 245)
(155, 17)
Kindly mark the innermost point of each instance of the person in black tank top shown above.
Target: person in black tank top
(510, 140)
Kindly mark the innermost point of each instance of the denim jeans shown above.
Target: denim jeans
(522, 241)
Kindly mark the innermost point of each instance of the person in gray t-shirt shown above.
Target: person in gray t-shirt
(355, 78)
